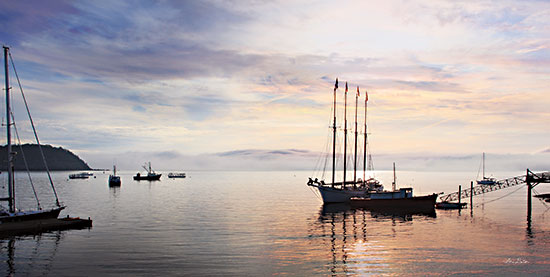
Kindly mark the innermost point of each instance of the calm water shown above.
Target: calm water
(264, 223)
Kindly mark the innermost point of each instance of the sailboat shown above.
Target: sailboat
(13, 214)
(114, 180)
(338, 192)
(488, 181)
(151, 175)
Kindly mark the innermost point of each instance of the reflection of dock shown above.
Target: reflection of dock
(31, 227)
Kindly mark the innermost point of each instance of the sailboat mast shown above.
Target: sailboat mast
(345, 132)
(394, 178)
(11, 188)
(355, 155)
(365, 140)
(483, 162)
(334, 135)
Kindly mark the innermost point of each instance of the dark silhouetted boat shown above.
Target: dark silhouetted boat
(114, 180)
(151, 175)
(339, 192)
(445, 205)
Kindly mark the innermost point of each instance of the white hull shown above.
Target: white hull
(336, 195)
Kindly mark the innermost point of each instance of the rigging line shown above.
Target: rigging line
(34, 130)
(540, 199)
(25, 161)
(487, 202)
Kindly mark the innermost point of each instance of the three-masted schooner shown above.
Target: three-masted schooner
(337, 192)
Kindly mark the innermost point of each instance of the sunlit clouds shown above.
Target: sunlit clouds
(200, 78)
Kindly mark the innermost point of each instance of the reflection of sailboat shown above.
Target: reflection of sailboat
(19, 264)
(335, 192)
(486, 180)
(13, 215)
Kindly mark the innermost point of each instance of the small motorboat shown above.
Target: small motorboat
(176, 175)
(445, 205)
(83, 175)
(544, 196)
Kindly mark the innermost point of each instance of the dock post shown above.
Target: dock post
(459, 194)
(471, 194)
(529, 188)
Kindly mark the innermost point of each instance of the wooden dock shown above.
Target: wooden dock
(33, 227)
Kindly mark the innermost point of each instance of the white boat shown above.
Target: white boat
(12, 214)
(83, 175)
(338, 192)
(488, 181)
(176, 175)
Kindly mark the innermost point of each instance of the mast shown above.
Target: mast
(355, 155)
(11, 188)
(483, 163)
(345, 132)
(365, 140)
(334, 135)
(394, 178)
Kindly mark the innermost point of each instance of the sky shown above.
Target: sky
(242, 85)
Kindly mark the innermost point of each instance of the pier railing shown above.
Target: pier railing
(533, 178)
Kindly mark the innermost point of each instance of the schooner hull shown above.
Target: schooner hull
(337, 195)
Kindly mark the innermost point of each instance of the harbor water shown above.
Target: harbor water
(265, 223)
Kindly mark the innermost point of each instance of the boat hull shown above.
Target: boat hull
(450, 205)
(27, 216)
(148, 178)
(417, 204)
(338, 195)
(114, 181)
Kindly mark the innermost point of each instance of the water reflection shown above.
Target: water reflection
(22, 253)
(352, 249)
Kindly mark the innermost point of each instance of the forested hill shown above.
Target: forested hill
(57, 158)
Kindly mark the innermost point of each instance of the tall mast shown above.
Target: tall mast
(11, 188)
(355, 155)
(334, 135)
(345, 132)
(483, 162)
(394, 183)
(365, 140)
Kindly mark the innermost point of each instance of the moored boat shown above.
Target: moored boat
(396, 200)
(79, 176)
(445, 205)
(12, 217)
(151, 175)
(114, 180)
(338, 192)
(176, 175)
(488, 181)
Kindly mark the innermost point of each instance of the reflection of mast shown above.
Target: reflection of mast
(333, 244)
(344, 253)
